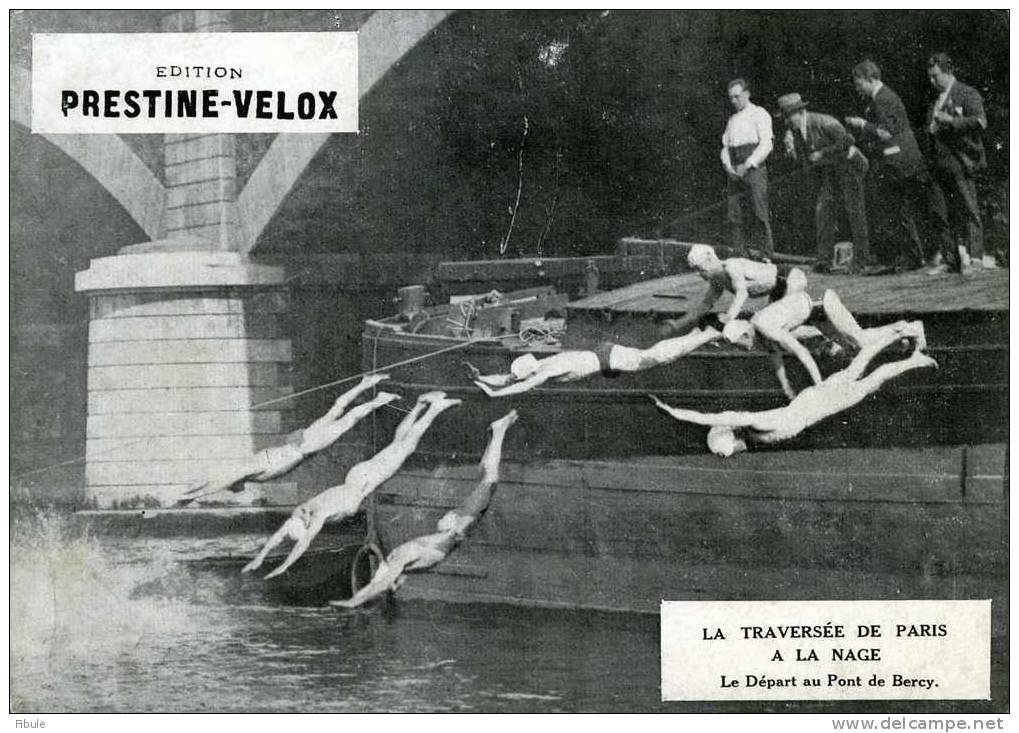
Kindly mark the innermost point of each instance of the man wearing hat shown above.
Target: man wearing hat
(823, 146)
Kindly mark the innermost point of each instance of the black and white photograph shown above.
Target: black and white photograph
(510, 361)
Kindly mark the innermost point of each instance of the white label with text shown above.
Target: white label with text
(826, 650)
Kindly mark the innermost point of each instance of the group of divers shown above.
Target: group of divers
(779, 327)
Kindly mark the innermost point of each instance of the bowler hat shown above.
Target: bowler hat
(789, 103)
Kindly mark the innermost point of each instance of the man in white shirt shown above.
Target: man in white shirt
(746, 143)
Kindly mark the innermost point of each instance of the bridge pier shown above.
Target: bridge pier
(184, 347)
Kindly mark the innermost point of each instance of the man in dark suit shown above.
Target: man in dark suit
(900, 173)
(821, 144)
(955, 123)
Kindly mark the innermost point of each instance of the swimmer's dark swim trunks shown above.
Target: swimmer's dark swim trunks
(781, 285)
(602, 351)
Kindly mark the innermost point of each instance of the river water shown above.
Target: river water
(116, 623)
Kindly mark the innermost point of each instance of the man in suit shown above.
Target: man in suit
(955, 123)
(903, 183)
(823, 146)
(746, 143)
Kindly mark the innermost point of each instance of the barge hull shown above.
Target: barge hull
(625, 535)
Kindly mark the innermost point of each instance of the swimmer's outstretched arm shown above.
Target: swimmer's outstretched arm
(303, 541)
(347, 398)
(492, 380)
(739, 285)
(535, 380)
(728, 419)
(321, 436)
(384, 579)
(478, 500)
(783, 379)
(280, 535)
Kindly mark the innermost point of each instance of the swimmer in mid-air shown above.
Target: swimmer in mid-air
(343, 500)
(528, 372)
(424, 552)
(732, 430)
(275, 461)
(742, 277)
(782, 324)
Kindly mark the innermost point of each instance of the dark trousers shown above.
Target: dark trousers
(901, 201)
(752, 189)
(849, 178)
(955, 198)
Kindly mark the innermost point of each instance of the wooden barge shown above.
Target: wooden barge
(605, 503)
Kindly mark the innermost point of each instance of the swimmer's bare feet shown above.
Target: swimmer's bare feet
(430, 397)
(504, 422)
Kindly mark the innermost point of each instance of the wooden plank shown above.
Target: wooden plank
(911, 292)
(242, 422)
(183, 399)
(635, 585)
(357, 272)
(189, 351)
(545, 267)
(152, 495)
(675, 250)
(160, 328)
(231, 374)
(900, 475)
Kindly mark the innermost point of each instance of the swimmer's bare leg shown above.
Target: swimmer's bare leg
(346, 399)
(788, 342)
(303, 541)
(665, 351)
(841, 318)
(876, 342)
(281, 534)
(886, 372)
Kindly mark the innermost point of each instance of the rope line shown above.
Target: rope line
(420, 357)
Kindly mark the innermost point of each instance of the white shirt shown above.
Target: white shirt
(750, 126)
(938, 106)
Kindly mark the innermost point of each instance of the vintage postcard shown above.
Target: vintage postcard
(509, 361)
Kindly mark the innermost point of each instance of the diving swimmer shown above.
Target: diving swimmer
(275, 461)
(732, 430)
(782, 324)
(424, 552)
(528, 372)
(343, 500)
(742, 277)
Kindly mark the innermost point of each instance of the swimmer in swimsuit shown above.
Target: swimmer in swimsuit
(742, 277)
(275, 461)
(424, 552)
(732, 430)
(527, 371)
(343, 500)
(782, 325)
